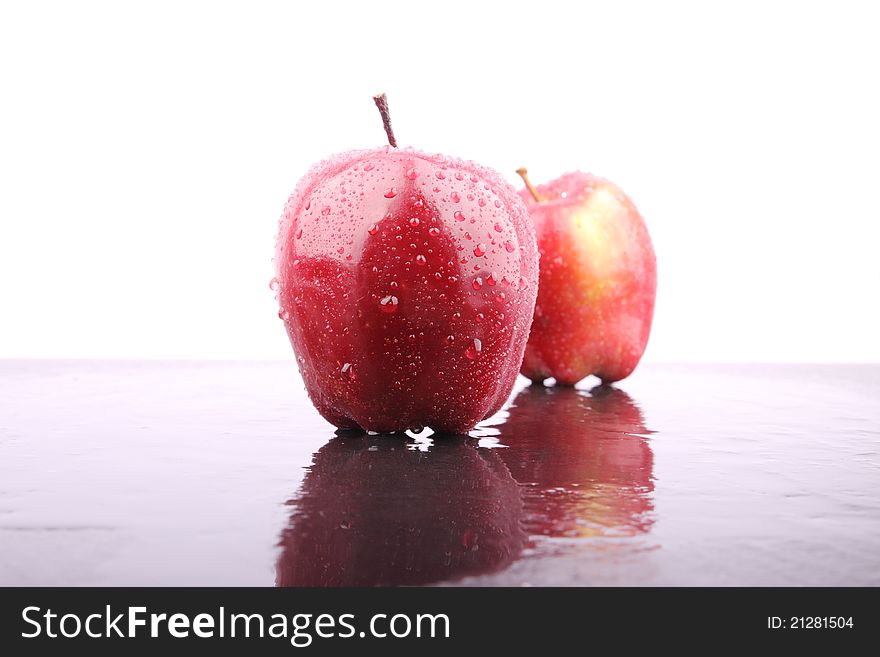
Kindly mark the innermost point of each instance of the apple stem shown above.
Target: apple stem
(524, 174)
(382, 103)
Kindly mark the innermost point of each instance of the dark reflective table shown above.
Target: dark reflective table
(148, 473)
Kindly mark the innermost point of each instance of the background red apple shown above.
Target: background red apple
(598, 281)
(407, 284)
(374, 513)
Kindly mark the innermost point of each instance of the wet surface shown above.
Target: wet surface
(139, 473)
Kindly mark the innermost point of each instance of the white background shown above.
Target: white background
(146, 151)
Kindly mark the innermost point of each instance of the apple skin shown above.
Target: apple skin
(373, 512)
(407, 285)
(589, 471)
(597, 285)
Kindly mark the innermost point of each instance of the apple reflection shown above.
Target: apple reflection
(583, 460)
(376, 511)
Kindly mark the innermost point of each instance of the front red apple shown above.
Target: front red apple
(598, 281)
(407, 284)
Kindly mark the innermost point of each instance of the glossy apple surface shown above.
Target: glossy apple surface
(406, 284)
(598, 282)
(374, 512)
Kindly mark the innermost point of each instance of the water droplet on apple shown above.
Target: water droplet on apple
(450, 339)
(497, 227)
(500, 297)
(477, 283)
(459, 175)
(473, 349)
(348, 370)
(414, 221)
(372, 230)
(455, 196)
(480, 250)
(299, 233)
(273, 284)
(490, 279)
(391, 193)
(412, 173)
(368, 166)
(453, 279)
(325, 210)
(440, 175)
(458, 215)
(497, 204)
(509, 247)
(421, 260)
(283, 314)
(388, 305)
(433, 231)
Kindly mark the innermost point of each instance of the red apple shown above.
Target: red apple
(583, 460)
(407, 284)
(374, 513)
(598, 281)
